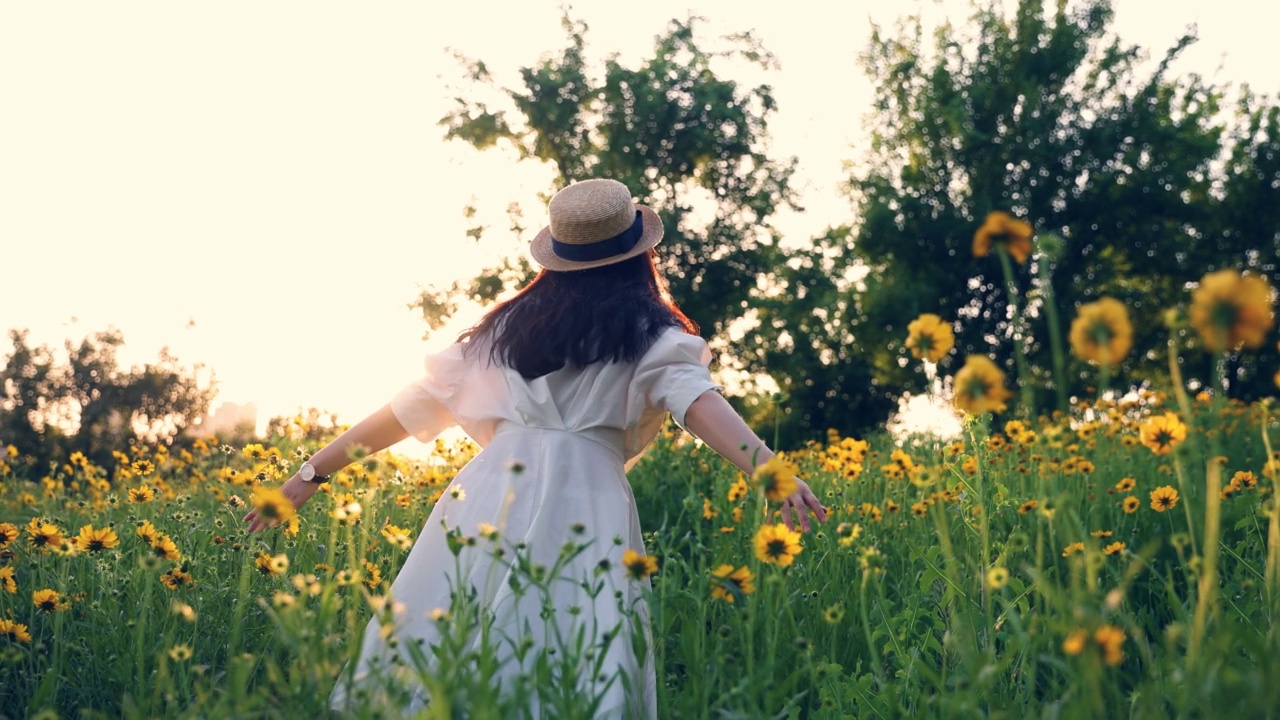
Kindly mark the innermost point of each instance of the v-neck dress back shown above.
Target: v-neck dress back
(550, 472)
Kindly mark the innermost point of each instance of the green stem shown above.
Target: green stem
(863, 610)
(1273, 526)
(1055, 338)
(1186, 504)
(1019, 335)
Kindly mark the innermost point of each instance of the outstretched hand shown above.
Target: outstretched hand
(295, 489)
(800, 503)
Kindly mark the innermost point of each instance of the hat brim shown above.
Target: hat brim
(650, 236)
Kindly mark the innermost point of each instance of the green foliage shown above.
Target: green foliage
(897, 618)
(1047, 114)
(108, 406)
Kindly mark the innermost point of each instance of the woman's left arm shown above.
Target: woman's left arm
(376, 432)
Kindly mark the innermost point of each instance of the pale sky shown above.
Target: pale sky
(262, 186)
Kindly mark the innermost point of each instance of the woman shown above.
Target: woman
(562, 386)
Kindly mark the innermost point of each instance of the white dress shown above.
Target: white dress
(572, 431)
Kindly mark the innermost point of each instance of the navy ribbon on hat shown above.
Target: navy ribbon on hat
(601, 249)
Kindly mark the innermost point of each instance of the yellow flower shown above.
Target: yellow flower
(929, 338)
(185, 611)
(1164, 498)
(176, 578)
(163, 547)
(979, 386)
(1114, 548)
(833, 614)
(15, 631)
(347, 510)
(777, 544)
(777, 477)
(1074, 643)
(1126, 484)
(8, 581)
(399, 537)
(271, 565)
(43, 535)
(147, 531)
(372, 575)
(142, 494)
(848, 533)
(91, 540)
(1004, 229)
(738, 489)
(1111, 639)
(1162, 433)
(1101, 333)
(49, 600)
(1072, 549)
(1245, 479)
(725, 577)
(708, 510)
(8, 533)
(871, 560)
(180, 653)
(272, 504)
(1231, 310)
(997, 577)
(924, 476)
(639, 566)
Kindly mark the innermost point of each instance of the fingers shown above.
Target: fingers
(801, 504)
(256, 523)
(787, 509)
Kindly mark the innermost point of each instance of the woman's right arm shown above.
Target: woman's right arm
(713, 420)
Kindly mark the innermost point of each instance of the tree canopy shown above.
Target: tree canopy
(1143, 175)
(88, 403)
(1136, 179)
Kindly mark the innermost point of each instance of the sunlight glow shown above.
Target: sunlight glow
(263, 188)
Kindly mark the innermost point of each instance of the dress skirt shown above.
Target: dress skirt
(557, 499)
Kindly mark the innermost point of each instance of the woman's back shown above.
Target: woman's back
(623, 403)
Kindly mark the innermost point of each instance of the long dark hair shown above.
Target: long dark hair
(611, 313)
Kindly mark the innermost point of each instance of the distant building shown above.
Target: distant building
(228, 419)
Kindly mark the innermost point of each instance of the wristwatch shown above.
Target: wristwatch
(308, 474)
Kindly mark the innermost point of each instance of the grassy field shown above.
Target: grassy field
(1101, 564)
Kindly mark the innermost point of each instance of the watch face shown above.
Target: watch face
(307, 472)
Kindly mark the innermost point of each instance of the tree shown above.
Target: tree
(693, 146)
(89, 403)
(1048, 115)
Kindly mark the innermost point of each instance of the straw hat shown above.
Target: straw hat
(594, 223)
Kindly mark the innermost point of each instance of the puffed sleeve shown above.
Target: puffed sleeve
(673, 373)
(422, 406)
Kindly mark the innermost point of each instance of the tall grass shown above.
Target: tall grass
(947, 583)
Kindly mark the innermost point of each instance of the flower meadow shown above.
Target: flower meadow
(1120, 558)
